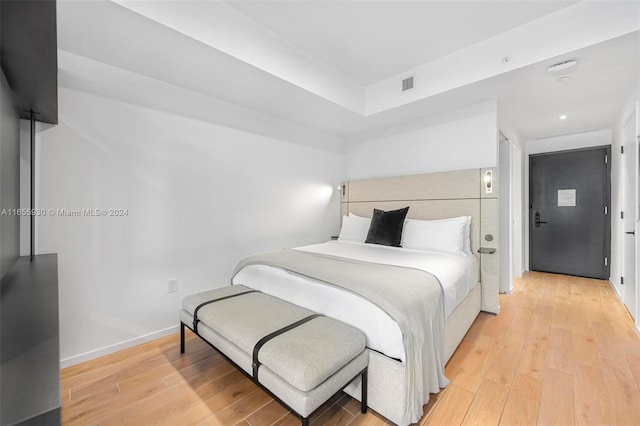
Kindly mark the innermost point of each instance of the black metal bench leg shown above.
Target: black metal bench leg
(305, 421)
(182, 337)
(363, 398)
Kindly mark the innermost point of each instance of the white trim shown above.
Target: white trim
(505, 232)
(628, 119)
(77, 359)
(636, 142)
(615, 290)
(517, 211)
(619, 296)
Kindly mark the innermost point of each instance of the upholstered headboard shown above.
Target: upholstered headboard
(438, 196)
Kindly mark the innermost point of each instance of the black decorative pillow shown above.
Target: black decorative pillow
(386, 227)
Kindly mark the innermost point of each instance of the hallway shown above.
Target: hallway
(562, 351)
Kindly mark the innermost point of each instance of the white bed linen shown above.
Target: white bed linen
(457, 273)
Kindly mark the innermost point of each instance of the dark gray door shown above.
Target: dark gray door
(569, 223)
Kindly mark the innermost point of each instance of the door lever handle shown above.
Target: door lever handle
(631, 232)
(537, 220)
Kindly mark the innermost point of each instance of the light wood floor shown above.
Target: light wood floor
(563, 351)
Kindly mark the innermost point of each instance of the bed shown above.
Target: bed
(459, 273)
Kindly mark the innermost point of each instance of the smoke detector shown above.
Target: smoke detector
(563, 68)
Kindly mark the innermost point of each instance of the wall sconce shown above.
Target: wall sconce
(488, 182)
(343, 189)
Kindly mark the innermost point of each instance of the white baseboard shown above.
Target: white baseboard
(87, 356)
(619, 296)
(615, 290)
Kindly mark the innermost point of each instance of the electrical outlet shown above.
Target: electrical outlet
(173, 285)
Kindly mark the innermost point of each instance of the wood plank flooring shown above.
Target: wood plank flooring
(563, 351)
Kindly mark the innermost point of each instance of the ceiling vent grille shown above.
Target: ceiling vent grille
(407, 84)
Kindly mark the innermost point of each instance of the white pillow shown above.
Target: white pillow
(446, 235)
(466, 239)
(354, 228)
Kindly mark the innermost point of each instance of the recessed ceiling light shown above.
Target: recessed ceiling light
(563, 117)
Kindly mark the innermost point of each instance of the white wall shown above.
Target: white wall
(199, 197)
(562, 143)
(462, 143)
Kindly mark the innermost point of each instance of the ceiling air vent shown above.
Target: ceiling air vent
(563, 68)
(407, 84)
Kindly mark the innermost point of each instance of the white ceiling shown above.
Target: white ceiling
(373, 40)
(592, 97)
(146, 49)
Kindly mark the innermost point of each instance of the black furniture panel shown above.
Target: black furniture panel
(29, 56)
(29, 347)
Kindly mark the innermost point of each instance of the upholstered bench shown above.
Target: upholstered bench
(299, 357)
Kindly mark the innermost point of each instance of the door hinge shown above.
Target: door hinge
(606, 210)
(606, 261)
(622, 150)
(621, 280)
(606, 159)
(621, 215)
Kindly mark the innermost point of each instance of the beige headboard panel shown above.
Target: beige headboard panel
(438, 196)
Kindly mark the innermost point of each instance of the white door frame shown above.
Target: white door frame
(511, 202)
(517, 230)
(506, 215)
(630, 212)
(637, 213)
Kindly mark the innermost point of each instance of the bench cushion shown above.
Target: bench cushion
(304, 357)
(245, 319)
(303, 403)
(306, 403)
(309, 354)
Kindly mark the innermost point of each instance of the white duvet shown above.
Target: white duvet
(457, 273)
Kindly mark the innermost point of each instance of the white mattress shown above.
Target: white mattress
(457, 273)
